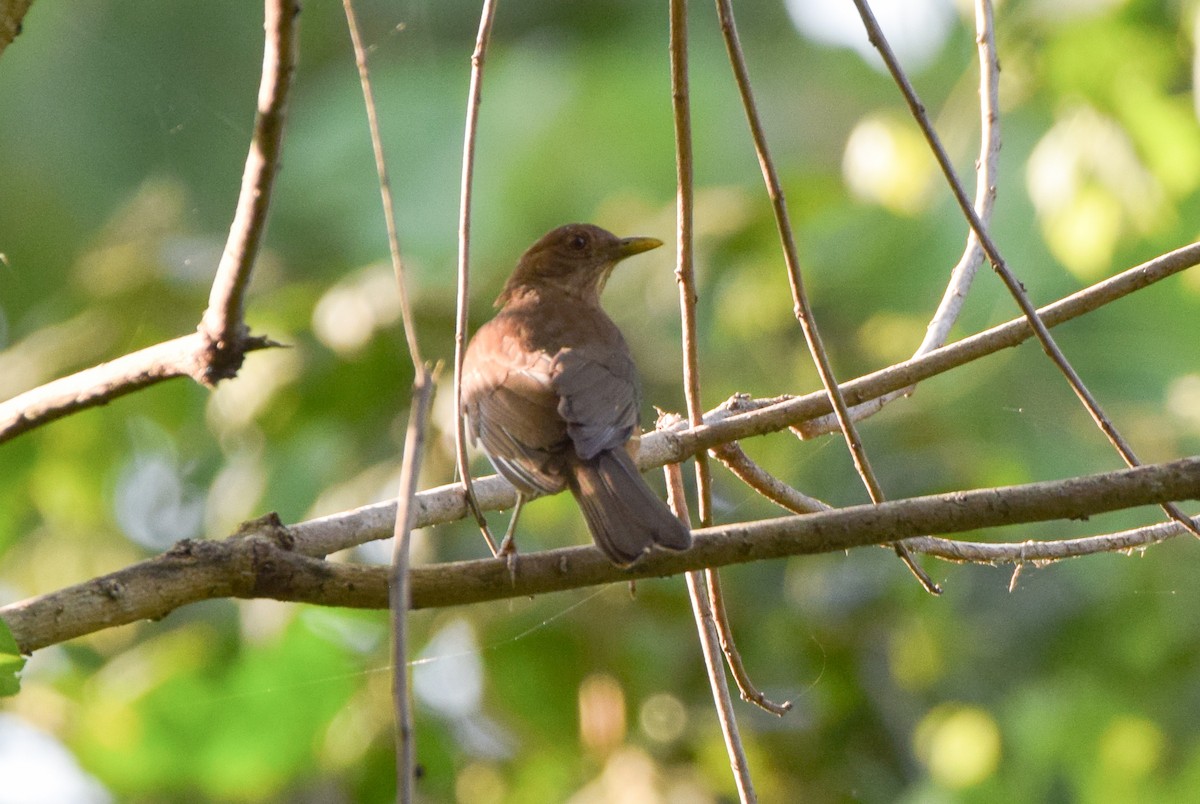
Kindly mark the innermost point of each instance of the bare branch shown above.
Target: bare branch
(216, 350)
(1015, 288)
(400, 599)
(746, 687)
(414, 446)
(685, 275)
(743, 468)
(385, 189)
(474, 98)
(802, 308)
(222, 324)
(1044, 552)
(986, 169)
(685, 268)
(261, 561)
(182, 357)
(710, 641)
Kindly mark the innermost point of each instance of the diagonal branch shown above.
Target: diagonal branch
(215, 352)
(1014, 286)
(223, 324)
(802, 308)
(986, 169)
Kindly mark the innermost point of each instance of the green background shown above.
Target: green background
(123, 128)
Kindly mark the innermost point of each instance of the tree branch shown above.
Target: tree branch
(801, 307)
(262, 559)
(215, 352)
(986, 170)
(474, 99)
(999, 264)
(222, 324)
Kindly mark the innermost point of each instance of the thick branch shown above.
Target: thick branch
(261, 562)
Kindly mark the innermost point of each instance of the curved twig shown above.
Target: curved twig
(987, 167)
(963, 274)
(1014, 286)
(216, 350)
(474, 98)
(802, 308)
(223, 325)
(746, 470)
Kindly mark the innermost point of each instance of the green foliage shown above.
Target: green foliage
(11, 662)
(122, 136)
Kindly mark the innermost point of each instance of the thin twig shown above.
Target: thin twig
(400, 599)
(385, 186)
(685, 269)
(264, 560)
(801, 308)
(414, 446)
(474, 97)
(746, 687)
(739, 463)
(223, 322)
(986, 170)
(685, 275)
(1014, 286)
(710, 646)
(1042, 553)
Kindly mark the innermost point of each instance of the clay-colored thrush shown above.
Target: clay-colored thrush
(551, 392)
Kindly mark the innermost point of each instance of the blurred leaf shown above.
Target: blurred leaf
(11, 662)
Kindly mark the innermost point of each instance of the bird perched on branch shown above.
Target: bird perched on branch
(550, 391)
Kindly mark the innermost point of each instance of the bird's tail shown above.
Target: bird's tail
(625, 516)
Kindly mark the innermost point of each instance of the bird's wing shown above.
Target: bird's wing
(598, 397)
(511, 409)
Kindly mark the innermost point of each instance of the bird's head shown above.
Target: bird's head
(576, 258)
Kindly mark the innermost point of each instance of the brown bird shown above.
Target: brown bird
(551, 392)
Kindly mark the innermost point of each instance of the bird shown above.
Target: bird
(551, 393)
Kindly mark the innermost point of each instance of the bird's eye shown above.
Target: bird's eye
(578, 242)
